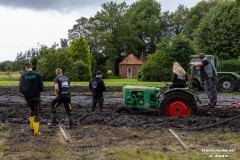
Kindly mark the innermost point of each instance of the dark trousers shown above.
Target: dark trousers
(99, 101)
(34, 108)
(210, 89)
(58, 101)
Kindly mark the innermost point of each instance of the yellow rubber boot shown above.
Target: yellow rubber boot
(31, 122)
(36, 128)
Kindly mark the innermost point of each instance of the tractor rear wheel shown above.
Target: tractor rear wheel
(177, 104)
(227, 83)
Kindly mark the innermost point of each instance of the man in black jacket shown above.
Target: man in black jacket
(31, 84)
(62, 90)
(97, 86)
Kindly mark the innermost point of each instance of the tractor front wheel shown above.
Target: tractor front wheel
(177, 104)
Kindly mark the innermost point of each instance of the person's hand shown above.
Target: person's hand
(191, 63)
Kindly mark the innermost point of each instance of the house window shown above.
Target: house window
(120, 70)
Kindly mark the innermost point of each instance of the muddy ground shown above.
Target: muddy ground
(109, 124)
(13, 109)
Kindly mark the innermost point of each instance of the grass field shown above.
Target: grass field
(13, 80)
(12, 76)
(100, 142)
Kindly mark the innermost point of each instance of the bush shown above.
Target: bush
(78, 71)
(230, 65)
(156, 68)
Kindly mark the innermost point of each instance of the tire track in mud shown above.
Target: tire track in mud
(13, 109)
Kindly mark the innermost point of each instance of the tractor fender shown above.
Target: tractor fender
(180, 90)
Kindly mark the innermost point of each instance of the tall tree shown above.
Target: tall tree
(195, 15)
(145, 16)
(179, 19)
(79, 51)
(167, 21)
(180, 50)
(218, 33)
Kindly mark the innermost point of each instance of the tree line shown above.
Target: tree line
(102, 41)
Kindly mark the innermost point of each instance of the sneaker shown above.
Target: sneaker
(51, 124)
(39, 133)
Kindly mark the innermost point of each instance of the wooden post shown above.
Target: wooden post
(179, 140)
(64, 134)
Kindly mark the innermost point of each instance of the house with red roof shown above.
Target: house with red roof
(129, 67)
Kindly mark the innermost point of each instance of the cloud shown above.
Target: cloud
(76, 5)
(55, 5)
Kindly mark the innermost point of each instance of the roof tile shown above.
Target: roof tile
(131, 59)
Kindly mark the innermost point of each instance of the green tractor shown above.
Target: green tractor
(174, 102)
(227, 81)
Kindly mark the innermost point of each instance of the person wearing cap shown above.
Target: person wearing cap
(31, 84)
(62, 90)
(209, 76)
(97, 86)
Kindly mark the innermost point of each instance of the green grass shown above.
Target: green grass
(113, 143)
(144, 154)
(12, 76)
(13, 80)
(108, 82)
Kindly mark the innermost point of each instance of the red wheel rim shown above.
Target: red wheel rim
(178, 108)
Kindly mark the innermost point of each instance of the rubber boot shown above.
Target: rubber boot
(31, 119)
(36, 128)
(70, 122)
(53, 120)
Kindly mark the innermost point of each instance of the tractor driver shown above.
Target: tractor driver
(209, 76)
(179, 76)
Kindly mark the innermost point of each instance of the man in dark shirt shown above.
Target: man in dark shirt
(31, 84)
(62, 90)
(97, 86)
(209, 76)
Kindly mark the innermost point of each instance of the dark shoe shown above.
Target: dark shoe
(71, 123)
(52, 124)
(54, 121)
(212, 104)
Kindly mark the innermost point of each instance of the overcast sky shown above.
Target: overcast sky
(26, 23)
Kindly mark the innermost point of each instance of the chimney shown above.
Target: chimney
(143, 57)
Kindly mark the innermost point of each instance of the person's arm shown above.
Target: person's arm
(90, 86)
(40, 83)
(174, 77)
(196, 64)
(21, 87)
(103, 86)
(56, 88)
